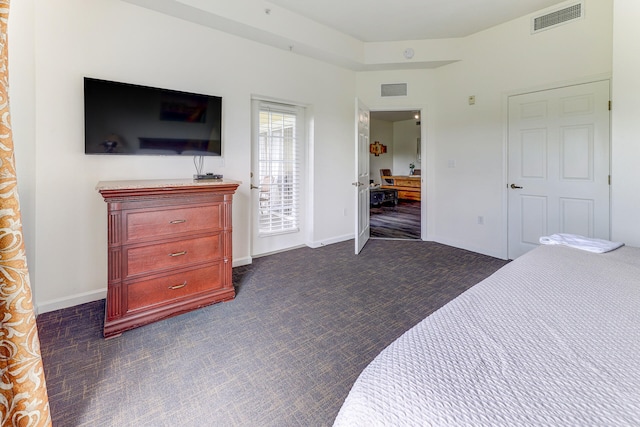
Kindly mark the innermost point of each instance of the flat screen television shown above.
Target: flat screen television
(123, 118)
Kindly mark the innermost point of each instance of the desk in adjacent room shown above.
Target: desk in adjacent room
(408, 186)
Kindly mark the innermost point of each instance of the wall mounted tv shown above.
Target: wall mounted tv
(122, 118)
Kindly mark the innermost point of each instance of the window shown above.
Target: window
(279, 168)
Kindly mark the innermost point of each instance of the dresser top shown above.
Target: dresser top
(162, 183)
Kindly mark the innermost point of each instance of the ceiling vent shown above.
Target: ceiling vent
(557, 17)
(393, 89)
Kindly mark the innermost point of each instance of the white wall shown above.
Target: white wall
(503, 60)
(381, 131)
(401, 139)
(626, 123)
(118, 41)
(22, 103)
(496, 62)
(405, 143)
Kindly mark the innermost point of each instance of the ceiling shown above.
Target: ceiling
(393, 20)
(360, 35)
(393, 116)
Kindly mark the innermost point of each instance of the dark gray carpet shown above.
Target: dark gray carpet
(285, 352)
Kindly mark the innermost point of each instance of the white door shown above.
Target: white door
(558, 178)
(362, 175)
(277, 181)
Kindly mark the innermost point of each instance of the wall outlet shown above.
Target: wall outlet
(480, 220)
(472, 100)
(451, 164)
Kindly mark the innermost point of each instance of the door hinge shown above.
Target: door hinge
(609, 105)
(609, 179)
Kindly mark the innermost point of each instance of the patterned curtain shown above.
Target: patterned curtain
(23, 398)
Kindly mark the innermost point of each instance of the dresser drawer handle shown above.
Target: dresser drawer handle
(180, 286)
(178, 253)
(177, 221)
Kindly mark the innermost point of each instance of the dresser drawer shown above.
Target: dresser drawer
(147, 293)
(174, 254)
(145, 224)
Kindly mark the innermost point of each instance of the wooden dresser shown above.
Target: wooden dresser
(169, 249)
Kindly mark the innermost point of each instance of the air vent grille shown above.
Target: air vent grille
(393, 89)
(558, 17)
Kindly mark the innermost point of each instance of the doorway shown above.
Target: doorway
(395, 162)
(278, 150)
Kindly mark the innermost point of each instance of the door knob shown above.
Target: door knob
(515, 186)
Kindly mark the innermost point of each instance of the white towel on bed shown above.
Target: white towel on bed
(580, 242)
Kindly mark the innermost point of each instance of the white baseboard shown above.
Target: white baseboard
(237, 262)
(60, 303)
(463, 245)
(330, 241)
(280, 251)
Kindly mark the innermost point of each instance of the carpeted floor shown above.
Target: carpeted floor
(285, 352)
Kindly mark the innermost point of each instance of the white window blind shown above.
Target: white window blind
(278, 169)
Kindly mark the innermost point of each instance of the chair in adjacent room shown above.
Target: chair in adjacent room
(385, 172)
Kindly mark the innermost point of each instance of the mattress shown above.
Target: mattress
(551, 339)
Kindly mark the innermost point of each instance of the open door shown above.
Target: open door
(362, 175)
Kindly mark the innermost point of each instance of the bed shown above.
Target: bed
(551, 339)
